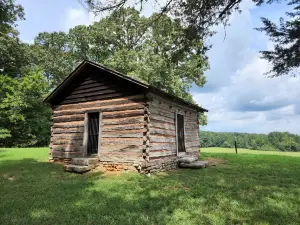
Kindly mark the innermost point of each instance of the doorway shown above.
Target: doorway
(93, 133)
(180, 134)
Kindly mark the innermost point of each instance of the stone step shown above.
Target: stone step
(84, 161)
(78, 168)
(188, 159)
(194, 165)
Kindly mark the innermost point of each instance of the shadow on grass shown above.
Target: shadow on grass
(35, 192)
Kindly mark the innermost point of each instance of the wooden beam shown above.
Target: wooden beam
(85, 135)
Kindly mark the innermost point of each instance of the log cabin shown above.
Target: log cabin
(105, 118)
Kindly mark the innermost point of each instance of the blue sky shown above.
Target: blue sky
(239, 97)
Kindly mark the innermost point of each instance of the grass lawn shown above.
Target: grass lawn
(248, 151)
(246, 189)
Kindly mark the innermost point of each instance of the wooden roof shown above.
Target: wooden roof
(86, 63)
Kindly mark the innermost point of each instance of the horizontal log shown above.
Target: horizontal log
(68, 136)
(192, 144)
(160, 112)
(161, 118)
(161, 131)
(121, 135)
(89, 86)
(100, 103)
(191, 133)
(123, 127)
(155, 99)
(130, 120)
(129, 141)
(162, 146)
(68, 124)
(100, 93)
(68, 130)
(94, 88)
(93, 98)
(111, 108)
(121, 157)
(160, 139)
(193, 149)
(121, 148)
(68, 118)
(192, 139)
(161, 153)
(138, 131)
(69, 147)
(166, 126)
(67, 142)
(122, 114)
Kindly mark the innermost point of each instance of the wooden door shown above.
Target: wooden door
(93, 133)
(180, 133)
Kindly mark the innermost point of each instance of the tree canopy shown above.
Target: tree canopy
(278, 141)
(125, 42)
(199, 17)
(285, 57)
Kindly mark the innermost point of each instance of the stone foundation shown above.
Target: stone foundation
(112, 166)
(154, 166)
(159, 165)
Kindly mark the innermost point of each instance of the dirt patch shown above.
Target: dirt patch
(215, 161)
(9, 177)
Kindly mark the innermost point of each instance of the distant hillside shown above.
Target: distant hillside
(280, 141)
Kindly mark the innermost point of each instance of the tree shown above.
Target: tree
(24, 120)
(285, 57)
(154, 55)
(197, 16)
(14, 54)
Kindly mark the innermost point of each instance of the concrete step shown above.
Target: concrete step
(194, 165)
(84, 161)
(78, 168)
(188, 159)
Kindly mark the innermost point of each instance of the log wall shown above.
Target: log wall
(121, 133)
(162, 127)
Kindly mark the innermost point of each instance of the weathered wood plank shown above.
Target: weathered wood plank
(68, 136)
(131, 120)
(121, 148)
(164, 132)
(163, 146)
(67, 142)
(100, 103)
(99, 87)
(69, 118)
(121, 135)
(123, 127)
(68, 147)
(121, 157)
(122, 114)
(165, 113)
(112, 108)
(93, 98)
(162, 139)
(68, 130)
(155, 99)
(192, 144)
(108, 90)
(129, 141)
(161, 118)
(68, 125)
(166, 126)
(162, 153)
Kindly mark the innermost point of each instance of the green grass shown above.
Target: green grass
(247, 189)
(248, 151)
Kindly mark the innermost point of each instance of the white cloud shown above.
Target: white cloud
(78, 16)
(239, 97)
